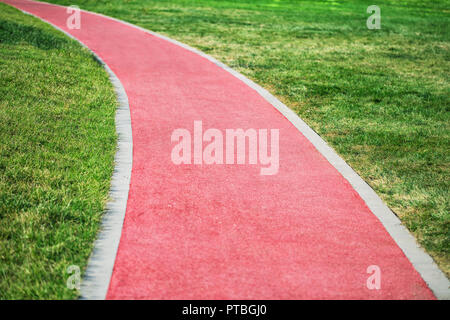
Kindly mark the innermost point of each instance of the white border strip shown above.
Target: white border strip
(423, 263)
(101, 262)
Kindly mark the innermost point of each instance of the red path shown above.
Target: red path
(225, 231)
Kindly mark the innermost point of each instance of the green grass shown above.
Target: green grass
(379, 97)
(57, 145)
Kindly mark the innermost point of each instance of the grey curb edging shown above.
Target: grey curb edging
(101, 262)
(423, 263)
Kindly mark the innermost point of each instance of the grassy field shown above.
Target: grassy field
(57, 145)
(381, 98)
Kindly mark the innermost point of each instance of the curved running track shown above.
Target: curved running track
(225, 231)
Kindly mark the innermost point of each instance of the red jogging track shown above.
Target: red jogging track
(225, 231)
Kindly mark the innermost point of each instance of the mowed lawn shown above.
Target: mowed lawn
(381, 98)
(57, 146)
